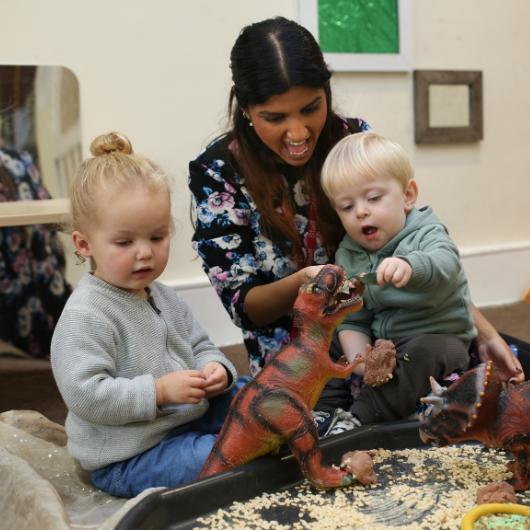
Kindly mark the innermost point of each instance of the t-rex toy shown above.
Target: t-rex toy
(275, 407)
(480, 406)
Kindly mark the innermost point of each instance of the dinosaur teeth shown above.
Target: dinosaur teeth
(344, 288)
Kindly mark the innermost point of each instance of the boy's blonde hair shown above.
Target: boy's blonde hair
(366, 154)
(113, 164)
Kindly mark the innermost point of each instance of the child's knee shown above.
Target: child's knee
(434, 345)
(438, 354)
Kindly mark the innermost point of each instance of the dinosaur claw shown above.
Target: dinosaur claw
(347, 480)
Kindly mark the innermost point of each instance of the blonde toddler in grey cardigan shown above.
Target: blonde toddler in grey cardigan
(108, 347)
(146, 389)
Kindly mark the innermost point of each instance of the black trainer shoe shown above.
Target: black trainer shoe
(341, 421)
(322, 420)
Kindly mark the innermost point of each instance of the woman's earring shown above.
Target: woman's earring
(247, 117)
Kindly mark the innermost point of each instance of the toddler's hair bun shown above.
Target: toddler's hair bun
(109, 143)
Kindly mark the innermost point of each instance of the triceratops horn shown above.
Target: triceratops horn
(436, 401)
(437, 389)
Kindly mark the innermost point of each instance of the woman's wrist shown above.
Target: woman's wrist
(485, 330)
(301, 278)
(266, 303)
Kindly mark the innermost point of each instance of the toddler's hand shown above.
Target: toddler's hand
(182, 386)
(394, 270)
(359, 369)
(216, 378)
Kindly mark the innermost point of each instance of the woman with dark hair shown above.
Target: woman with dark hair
(262, 221)
(256, 190)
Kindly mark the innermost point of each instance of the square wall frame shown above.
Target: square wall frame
(423, 131)
(365, 62)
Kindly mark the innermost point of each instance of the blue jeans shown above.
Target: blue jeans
(176, 460)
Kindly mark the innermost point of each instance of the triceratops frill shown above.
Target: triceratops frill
(480, 406)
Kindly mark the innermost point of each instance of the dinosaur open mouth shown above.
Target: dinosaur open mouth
(347, 294)
(429, 438)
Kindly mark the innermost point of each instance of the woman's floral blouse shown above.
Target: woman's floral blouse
(33, 289)
(235, 255)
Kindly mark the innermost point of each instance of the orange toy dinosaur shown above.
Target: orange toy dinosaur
(275, 407)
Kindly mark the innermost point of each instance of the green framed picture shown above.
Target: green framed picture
(357, 35)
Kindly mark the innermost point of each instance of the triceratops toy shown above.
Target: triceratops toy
(480, 406)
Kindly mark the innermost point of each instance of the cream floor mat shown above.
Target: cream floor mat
(42, 486)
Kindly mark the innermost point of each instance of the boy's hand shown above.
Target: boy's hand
(360, 368)
(380, 363)
(216, 378)
(394, 270)
(182, 386)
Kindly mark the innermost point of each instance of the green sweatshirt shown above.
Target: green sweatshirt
(436, 299)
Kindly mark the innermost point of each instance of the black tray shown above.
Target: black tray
(179, 508)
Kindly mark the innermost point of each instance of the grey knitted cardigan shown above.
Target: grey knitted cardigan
(107, 349)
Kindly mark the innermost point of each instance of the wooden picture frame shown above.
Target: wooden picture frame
(47, 96)
(308, 11)
(424, 131)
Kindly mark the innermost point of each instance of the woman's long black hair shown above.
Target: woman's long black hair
(269, 58)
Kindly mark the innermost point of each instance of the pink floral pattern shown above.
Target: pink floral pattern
(235, 254)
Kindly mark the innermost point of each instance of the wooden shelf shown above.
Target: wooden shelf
(20, 213)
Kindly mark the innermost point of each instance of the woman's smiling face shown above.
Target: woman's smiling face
(290, 124)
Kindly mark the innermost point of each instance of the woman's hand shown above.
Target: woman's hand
(266, 303)
(308, 273)
(181, 386)
(394, 270)
(216, 378)
(491, 346)
(503, 358)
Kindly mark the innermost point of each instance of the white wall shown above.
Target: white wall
(159, 71)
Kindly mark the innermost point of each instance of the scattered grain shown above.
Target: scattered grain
(418, 489)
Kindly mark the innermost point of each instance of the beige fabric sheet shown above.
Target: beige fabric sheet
(42, 486)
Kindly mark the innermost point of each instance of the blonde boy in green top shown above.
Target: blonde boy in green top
(421, 300)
